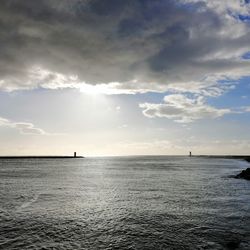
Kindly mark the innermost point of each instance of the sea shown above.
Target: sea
(140, 202)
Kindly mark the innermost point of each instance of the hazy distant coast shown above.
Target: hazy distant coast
(239, 157)
(39, 157)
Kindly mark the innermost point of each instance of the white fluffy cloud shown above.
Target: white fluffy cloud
(247, 109)
(23, 127)
(182, 109)
(219, 6)
(117, 46)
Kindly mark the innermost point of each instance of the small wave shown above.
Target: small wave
(28, 203)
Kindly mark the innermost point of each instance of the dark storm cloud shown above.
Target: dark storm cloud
(140, 44)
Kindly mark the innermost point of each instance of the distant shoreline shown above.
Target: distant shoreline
(237, 157)
(40, 157)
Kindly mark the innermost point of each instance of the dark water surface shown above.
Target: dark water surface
(124, 203)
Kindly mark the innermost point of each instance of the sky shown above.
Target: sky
(124, 77)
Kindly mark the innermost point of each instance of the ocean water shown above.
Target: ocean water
(124, 203)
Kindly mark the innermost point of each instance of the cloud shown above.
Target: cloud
(241, 6)
(117, 46)
(23, 127)
(28, 128)
(182, 109)
(247, 109)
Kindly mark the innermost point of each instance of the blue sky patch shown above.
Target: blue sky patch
(246, 56)
(244, 18)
